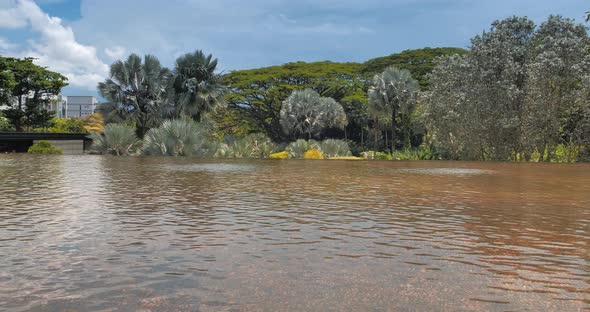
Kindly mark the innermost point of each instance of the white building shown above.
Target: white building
(80, 106)
(58, 105)
(73, 106)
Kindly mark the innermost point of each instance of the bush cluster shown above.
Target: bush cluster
(44, 147)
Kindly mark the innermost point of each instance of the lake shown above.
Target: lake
(98, 233)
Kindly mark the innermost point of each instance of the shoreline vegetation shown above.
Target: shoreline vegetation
(520, 92)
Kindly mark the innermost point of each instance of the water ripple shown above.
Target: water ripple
(100, 233)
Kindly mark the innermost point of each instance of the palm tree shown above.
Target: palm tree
(196, 88)
(393, 93)
(305, 111)
(136, 92)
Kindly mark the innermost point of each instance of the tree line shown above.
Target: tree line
(519, 92)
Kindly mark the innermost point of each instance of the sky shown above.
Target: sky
(81, 38)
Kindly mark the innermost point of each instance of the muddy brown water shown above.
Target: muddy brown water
(94, 233)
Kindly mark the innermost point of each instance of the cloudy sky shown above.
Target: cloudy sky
(80, 38)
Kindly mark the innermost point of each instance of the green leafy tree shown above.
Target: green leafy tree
(7, 81)
(557, 77)
(136, 91)
(393, 94)
(27, 88)
(5, 124)
(519, 92)
(256, 95)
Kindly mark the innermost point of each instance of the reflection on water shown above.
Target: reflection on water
(88, 233)
(450, 171)
(218, 167)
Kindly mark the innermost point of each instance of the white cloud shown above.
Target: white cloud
(7, 46)
(11, 17)
(57, 47)
(116, 52)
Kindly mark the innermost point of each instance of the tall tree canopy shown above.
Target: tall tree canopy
(419, 62)
(518, 92)
(196, 86)
(256, 95)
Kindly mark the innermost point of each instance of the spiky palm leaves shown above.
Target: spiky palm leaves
(196, 87)
(393, 94)
(335, 148)
(118, 139)
(306, 112)
(178, 137)
(136, 92)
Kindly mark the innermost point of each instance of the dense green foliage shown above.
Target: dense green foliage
(521, 91)
(419, 62)
(256, 95)
(5, 124)
(90, 123)
(420, 153)
(26, 88)
(64, 125)
(44, 147)
(145, 93)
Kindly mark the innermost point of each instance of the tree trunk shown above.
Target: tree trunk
(393, 127)
(362, 138)
(18, 123)
(140, 132)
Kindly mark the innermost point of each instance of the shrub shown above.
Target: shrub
(5, 124)
(179, 137)
(65, 125)
(280, 155)
(256, 145)
(335, 148)
(421, 153)
(298, 148)
(118, 139)
(93, 123)
(372, 155)
(214, 149)
(313, 154)
(44, 147)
